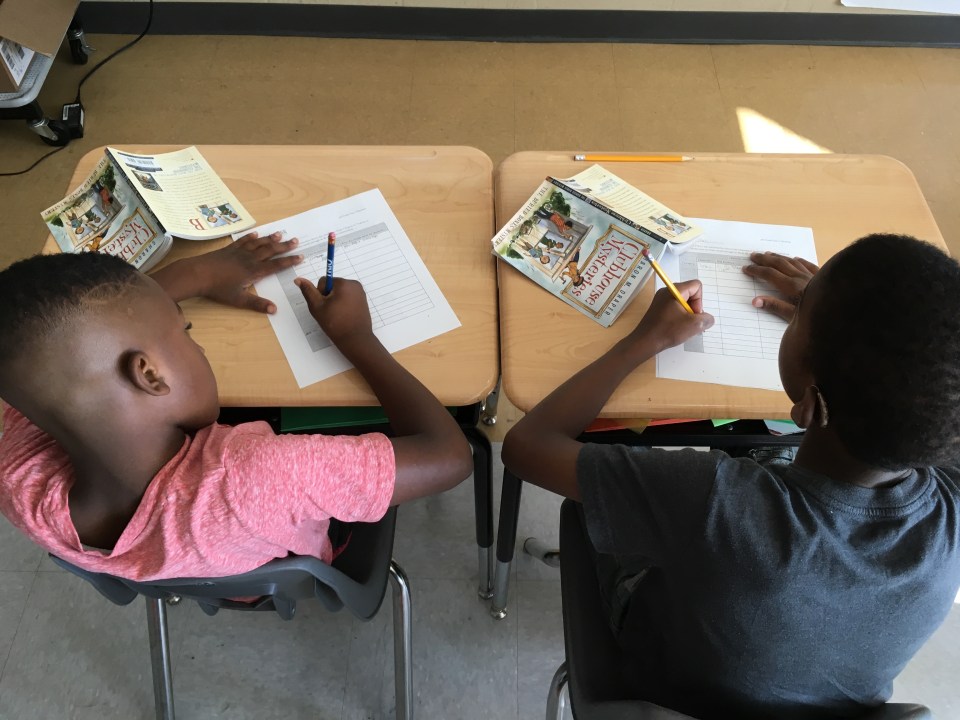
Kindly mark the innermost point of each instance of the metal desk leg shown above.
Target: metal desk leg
(506, 542)
(483, 507)
(489, 416)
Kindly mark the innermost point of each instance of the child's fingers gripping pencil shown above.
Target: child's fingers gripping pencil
(666, 281)
(331, 240)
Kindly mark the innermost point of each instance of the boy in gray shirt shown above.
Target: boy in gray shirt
(782, 590)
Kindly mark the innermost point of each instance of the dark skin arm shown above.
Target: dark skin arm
(431, 452)
(225, 275)
(542, 448)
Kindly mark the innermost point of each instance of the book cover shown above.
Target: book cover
(105, 215)
(133, 205)
(187, 196)
(582, 239)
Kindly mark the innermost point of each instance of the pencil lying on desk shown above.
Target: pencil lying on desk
(666, 281)
(331, 240)
(632, 158)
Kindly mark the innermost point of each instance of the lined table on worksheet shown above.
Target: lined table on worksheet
(741, 330)
(371, 256)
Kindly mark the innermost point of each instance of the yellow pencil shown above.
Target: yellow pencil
(666, 281)
(632, 158)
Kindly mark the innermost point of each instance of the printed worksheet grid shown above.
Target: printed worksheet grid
(371, 256)
(741, 330)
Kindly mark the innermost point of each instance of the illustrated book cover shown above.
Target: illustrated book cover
(132, 206)
(582, 238)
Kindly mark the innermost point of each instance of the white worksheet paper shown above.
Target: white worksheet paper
(406, 305)
(742, 347)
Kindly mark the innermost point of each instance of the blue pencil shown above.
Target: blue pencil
(331, 240)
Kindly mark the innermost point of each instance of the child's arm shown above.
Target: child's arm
(542, 447)
(788, 276)
(225, 275)
(431, 452)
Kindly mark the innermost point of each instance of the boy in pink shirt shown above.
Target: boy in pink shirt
(111, 457)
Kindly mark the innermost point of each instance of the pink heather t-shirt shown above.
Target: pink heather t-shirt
(232, 499)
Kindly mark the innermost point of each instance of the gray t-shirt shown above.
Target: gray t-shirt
(771, 587)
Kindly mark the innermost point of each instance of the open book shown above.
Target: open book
(582, 238)
(132, 206)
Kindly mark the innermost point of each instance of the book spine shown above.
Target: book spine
(607, 210)
(122, 176)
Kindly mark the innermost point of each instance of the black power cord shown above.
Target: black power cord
(76, 105)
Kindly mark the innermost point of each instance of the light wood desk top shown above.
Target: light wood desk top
(443, 197)
(842, 197)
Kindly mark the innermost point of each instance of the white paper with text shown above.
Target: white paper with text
(743, 345)
(406, 304)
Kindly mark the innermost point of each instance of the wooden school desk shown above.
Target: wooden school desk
(443, 198)
(544, 341)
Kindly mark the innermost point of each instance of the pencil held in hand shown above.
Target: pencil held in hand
(666, 281)
(331, 240)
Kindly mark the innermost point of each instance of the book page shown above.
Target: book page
(743, 345)
(105, 215)
(406, 306)
(578, 249)
(185, 193)
(624, 198)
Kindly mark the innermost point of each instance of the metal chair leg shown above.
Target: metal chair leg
(402, 642)
(506, 542)
(483, 508)
(160, 658)
(556, 699)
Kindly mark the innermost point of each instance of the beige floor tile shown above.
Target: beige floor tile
(905, 121)
(22, 239)
(297, 63)
(481, 116)
(337, 114)
(547, 120)
(803, 110)
(688, 117)
(196, 57)
(879, 66)
(637, 63)
(748, 65)
(463, 63)
(938, 68)
(564, 67)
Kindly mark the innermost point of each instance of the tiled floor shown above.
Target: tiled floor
(67, 653)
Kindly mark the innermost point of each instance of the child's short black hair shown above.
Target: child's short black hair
(885, 351)
(40, 293)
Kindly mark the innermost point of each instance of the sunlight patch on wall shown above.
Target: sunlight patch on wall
(762, 135)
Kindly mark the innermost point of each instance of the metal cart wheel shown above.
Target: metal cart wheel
(53, 132)
(79, 50)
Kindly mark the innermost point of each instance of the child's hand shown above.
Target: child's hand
(788, 276)
(343, 314)
(667, 324)
(226, 274)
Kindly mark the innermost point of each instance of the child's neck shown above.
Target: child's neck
(111, 473)
(821, 452)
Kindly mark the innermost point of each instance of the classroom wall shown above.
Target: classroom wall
(813, 6)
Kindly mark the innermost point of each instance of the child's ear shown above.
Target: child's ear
(143, 373)
(804, 410)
